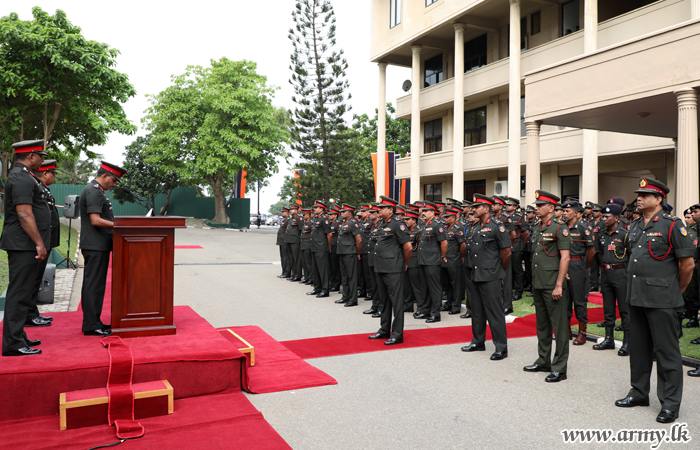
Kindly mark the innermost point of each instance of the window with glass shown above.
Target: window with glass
(433, 136)
(570, 17)
(394, 13)
(433, 70)
(569, 187)
(535, 23)
(475, 127)
(474, 187)
(475, 53)
(429, 2)
(433, 192)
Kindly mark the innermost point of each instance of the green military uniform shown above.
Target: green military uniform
(690, 295)
(594, 270)
(305, 248)
(469, 230)
(548, 241)
(22, 188)
(521, 228)
(414, 272)
(581, 243)
(334, 258)
(377, 300)
(429, 257)
(454, 235)
(363, 267)
(292, 239)
(284, 253)
(348, 253)
(654, 297)
(507, 301)
(320, 250)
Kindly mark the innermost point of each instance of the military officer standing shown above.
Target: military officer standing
(349, 246)
(47, 175)
(453, 260)
(377, 301)
(292, 239)
(611, 244)
(321, 238)
(498, 214)
(550, 263)
(432, 247)
(581, 255)
(491, 254)
(96, 229)
(25, 237)
(334, 258)
(691, 293)
(522, 230)
(471, 226)
(284, 256)
(660, 268)
(305, 246)
(414, 272)
(393, 251)
(368, 276)
(597, 226)
(530, 217)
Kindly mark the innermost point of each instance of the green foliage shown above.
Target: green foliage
(72, 170)
(145, 181)
(57, 85)
(276, 208)
(398, 132)
(214, 121)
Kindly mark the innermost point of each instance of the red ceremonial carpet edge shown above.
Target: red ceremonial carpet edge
(359, 343)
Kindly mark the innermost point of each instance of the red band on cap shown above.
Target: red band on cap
(39, 148)
(654, 188)
(111, 170)
(483, 200)
(45, 168)
(546, 199)
(499, 201)
(412, 215)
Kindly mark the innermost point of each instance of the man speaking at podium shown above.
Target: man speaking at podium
(96, 230)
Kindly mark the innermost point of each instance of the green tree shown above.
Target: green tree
(57, 85)
(320, 133)
(276, 208)
(72, 170)
(214, 121)
(398, 132)
(145, 181)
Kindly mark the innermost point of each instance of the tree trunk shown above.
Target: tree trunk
(219, 198)
(166, 205)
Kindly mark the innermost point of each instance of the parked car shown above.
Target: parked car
(273, 221)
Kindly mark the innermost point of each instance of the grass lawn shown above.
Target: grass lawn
(522, 307)
(687, 349)
(61, 249)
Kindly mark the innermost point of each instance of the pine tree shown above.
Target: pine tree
(320, 134)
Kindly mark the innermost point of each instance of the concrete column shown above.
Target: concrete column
(694, 9)
(381, 133)
(458, 116)
(415, 124)
(589, 169)
(532, 166)
(514, 102)
(687, 179)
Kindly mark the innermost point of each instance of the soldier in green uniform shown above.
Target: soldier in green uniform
(660, 268)
(611, 244)
(432, 247)
(414, 272)
(292, 239)
(25, 237)
(690, 295)
(522, 230)
(491, 254)
(393, 253)
(453, 260)
(551, 242)
(349, 246)
(500, 215)
(695, 216)
(471, 226)
(375, 220)
(334, 258)
(284, 256)
(581, 255)
(305, 246)
(96, 229)
(597, 226)
(530, 217)
(367, 273)
(46, 174)
(321, 238)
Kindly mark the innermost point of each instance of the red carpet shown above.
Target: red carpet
(196, 361)
(360, 343)
(187, 247)
(276, 368)
(219, 421)
(596, 298)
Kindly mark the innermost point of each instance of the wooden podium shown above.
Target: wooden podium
(142, 275)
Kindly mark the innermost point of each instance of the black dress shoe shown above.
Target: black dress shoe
(393, 341)
(334, 290)
(618, 328)
(361, 295)
(507, 311)
(555, 377)
(433, 319)
(350, 304)
(106, 327)
(446, 307)
(474, 348)
(629, 402)
(24, 351)
(294, 279)
(322, 294)
(37, 322)
(368, 298)
(370, 311)
(497, 356)
(601, 325)
(454, 311)
(465, 316)
(408, 309)
(308, 282)
(695, 341)
(339, 301)
(378, 335)
(283, 276)
(314, 292)
(537, 368)
(694, 373)
(98, 332)
(33, 343)
(303, 280)
(517, 297)
(692, 323)
(43, 317)
(377, 314)
(420, 316)
(667, 416)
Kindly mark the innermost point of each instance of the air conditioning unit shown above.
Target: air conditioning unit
(500, 188)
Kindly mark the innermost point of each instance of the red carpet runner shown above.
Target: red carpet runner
(359, 343)
(276, 368)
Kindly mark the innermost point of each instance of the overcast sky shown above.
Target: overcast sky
(158, 39)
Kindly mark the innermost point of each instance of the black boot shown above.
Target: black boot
(609, 341)
(693, 322)
(624, 350)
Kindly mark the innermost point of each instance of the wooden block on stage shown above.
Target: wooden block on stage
(247, 349)
(88, 408)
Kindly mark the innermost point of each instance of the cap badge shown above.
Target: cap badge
(643, 183)
(537, 194)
